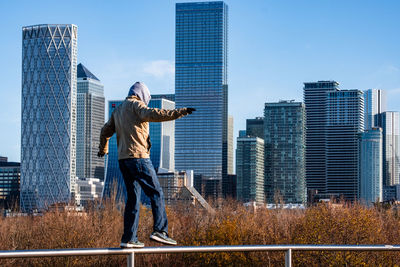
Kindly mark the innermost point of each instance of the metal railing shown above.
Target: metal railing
(288, 249)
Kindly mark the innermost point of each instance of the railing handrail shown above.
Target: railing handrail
(154, 250)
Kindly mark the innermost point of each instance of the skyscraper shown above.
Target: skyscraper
(315, 102)
(284, 139)
(90, 120)
(250, 169)
(371, 186)
(201, 82)
(48, 124)
(389, 122)
(344, 122)
(374, 104)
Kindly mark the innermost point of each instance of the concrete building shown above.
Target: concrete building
(48, 122)
(88, 190)
(371, 177)
(250, 169)
(284, 140)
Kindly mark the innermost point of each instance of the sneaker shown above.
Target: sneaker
(162, 237)
(132, 244)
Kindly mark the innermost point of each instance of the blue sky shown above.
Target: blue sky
(274, 46)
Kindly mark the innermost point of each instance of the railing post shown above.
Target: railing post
(288, 258)
(131, 259)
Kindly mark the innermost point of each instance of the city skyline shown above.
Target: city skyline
(359, 52)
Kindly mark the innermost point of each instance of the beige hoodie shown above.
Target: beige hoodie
(130, 121)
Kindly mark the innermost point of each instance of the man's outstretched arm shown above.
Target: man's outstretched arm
(106, 132)
(158, 115)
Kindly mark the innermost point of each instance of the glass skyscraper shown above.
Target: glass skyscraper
(90, 120)
(344, 122)
(250, 169)
(374, 104)
(201, 55)
(389, 122)
(315, 102)
(284, 139)
(255, 127)
(48, 124)
(371, 186)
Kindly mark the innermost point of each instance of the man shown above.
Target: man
(130, 121)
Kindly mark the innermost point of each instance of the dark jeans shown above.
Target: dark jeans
(140, 173)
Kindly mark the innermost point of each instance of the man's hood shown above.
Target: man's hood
(140, 90)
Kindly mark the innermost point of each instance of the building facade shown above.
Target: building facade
(344, 122)
(255, 127)
(374, 104)
(90, 120)
(10, 175)
(201, 54)
(389, 122)
(371, 177)
(250, 169)
(48, 123)
(284, 139)
(88, 190)
(315, 102)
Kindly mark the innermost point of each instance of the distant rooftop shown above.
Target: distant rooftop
(83, 72)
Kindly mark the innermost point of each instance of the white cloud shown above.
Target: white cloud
(159, 68)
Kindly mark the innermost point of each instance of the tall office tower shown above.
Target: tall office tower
(10, 173)
(48, 124)
(371, 186)
(345, 120)
(162, 136)
(374, 104)
(161, 152)
(315, 102)
(389, 122)
(284, 165)
(201, 55)
(250, 169)
(255, 127)
(90, 120)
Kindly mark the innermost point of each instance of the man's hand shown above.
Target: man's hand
(190, 110)
(100, 154)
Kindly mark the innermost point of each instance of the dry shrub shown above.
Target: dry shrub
(232, 224)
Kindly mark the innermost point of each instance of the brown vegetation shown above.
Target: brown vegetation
(231, 225)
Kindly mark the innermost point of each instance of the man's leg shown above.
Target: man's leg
(131, 215)
(149, 182)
